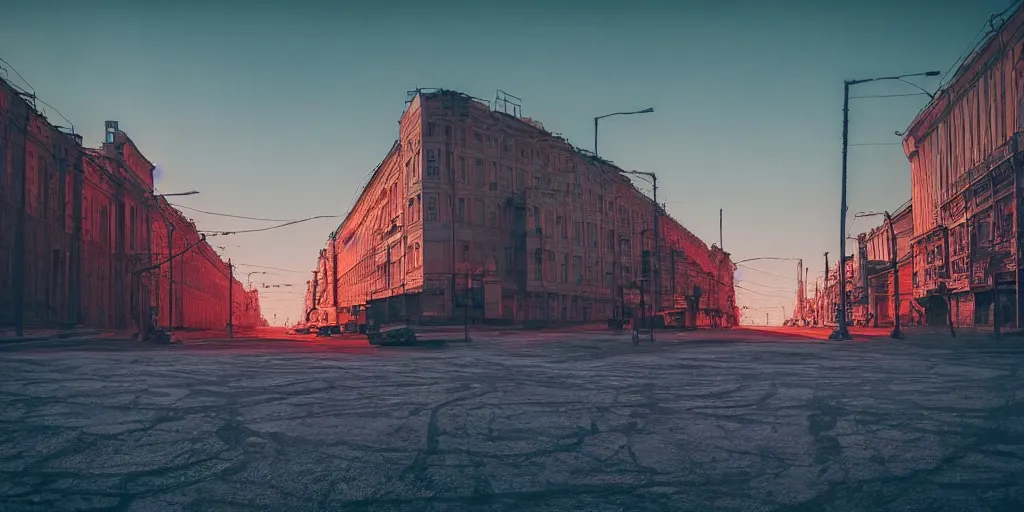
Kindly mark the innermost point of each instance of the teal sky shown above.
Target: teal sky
(282, 111)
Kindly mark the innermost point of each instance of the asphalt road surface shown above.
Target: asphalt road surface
(554, 421)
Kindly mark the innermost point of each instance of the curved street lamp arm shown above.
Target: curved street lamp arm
(644, 111)
(765, 258)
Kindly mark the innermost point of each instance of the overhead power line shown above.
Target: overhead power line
(268, 268)
(229, 215)
(765, 272)
(775, 296)
(241, 231)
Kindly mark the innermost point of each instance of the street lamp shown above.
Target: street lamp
(248, 279)
(189, 193)
(897, 331)
(652, 178)
(598, 118)
(766, 258)
(841, 332)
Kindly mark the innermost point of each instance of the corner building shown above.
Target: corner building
(477, 212)
(966, 185)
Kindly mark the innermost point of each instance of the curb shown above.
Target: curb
(56, 336)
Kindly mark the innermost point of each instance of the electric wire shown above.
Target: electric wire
(229, 215)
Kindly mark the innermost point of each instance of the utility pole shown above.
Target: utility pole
(897, 332)
(825, 305)
(656, 270)
(817, 298)
(799, 290)
(231, 300)
(841, 332)
(170, 276)
(803, 295)
(313, 303)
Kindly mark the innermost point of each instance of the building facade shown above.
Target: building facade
(478, 212)
(116, 204)
(40, 192)
(194, 293)
(966, 183)
(879, 307)
(77, 227)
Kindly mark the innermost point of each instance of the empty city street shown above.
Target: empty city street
(738, 420)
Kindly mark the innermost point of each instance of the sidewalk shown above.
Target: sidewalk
(9, 335)
(913, 332)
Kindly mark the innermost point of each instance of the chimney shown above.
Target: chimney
(111, 130)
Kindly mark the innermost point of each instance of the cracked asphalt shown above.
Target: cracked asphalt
(533, 421)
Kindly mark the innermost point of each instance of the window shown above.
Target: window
(626, 248)
(462, 169)
(431, 128)
(462, 135)
(131, 228)
(478, 213)
(431, 208)
(447, 131)
(432, 166)
(576, 233)
(419, 208)
(449, 163)
(565, 268)
(538, 266)
(411, 211)
(479, 172)
(415, 260)
(462, 211)
(536, 182)
(510, 263)
(477, 137)
(465, 253)
(577, 268)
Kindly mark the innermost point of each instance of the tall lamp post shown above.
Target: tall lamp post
(598, 118)
(841, 332)
(656, 268)
(170, 261)
(189, 193)
(894, 260)
(248, 279)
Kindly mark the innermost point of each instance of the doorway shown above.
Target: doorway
(936, 311)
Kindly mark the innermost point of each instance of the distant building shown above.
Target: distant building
(200, 278)
(877, 308)
(964, 152)
(477, 212)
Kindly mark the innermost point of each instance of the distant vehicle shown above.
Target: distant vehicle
(670, 319)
